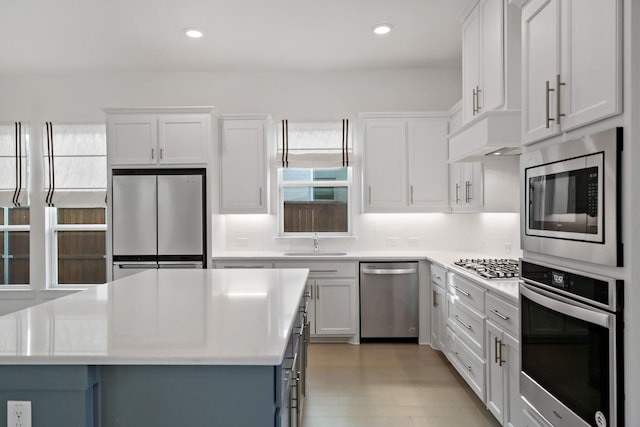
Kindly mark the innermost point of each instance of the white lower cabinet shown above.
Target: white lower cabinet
(331, 305)
(438, 307)
(332, 290)
(503, 375)
(467, 363)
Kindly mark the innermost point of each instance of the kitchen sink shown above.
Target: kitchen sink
(311, 253)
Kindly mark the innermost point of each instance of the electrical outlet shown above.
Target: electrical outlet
(18, 413)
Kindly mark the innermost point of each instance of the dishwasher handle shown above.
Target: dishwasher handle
(382, 271)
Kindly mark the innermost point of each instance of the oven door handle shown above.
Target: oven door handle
(557, 303)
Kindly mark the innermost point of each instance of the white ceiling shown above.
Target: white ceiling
(147, 35)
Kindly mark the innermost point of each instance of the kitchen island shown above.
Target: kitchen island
(159, 348)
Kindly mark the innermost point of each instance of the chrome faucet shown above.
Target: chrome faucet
(316, 243)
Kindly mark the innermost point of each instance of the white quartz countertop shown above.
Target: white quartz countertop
(507, 288)
(162, 317)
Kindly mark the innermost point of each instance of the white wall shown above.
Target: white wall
(296, 96)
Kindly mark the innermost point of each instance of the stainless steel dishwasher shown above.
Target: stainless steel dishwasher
(389, 301)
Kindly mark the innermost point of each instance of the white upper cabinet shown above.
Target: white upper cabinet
(491, 81)
(152, 137)
(466, 186)
(483, 80)
(571, 72)
(405, 164)
(243, 164)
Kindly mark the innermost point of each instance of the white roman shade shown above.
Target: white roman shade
(75, 165)
(13, 165)
(314, 144)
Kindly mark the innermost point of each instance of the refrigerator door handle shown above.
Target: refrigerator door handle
(136, 266)
(180, 265)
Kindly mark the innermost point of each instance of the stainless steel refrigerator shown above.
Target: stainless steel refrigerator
(158, 219)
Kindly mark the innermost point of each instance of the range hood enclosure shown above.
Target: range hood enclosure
(492, 132)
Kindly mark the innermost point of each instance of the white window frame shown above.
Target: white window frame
(8, 228)
(282, 184)
(52, 239)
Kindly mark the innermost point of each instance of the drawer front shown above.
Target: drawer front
(503, 314)
(468, 324)
(469, 293)
(243, 264)
(438, 276)
(470, 366)
(319, 269)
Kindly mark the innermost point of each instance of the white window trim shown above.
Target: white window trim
(8, 228)
(280, 205)
(52, 247)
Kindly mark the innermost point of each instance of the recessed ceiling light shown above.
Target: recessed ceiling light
(381, 29)
(194, 33)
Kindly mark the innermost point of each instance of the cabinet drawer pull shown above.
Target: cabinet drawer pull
(466, 294)
(435, 276)
(323, 271)
(463, 323)
(500, 315)
(462, 361)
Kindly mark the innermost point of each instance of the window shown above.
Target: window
(79, 245)
(315, 200)
(315, 178)
(75, 193)
(14, 211)
(14, 246)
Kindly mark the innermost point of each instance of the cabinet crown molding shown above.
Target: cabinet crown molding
(405, 115)
(162, 110)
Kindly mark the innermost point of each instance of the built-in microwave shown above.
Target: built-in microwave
(570, 199)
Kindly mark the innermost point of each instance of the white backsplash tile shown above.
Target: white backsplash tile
(496, 234)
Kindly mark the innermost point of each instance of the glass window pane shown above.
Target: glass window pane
(14, 248)
(2, 216)
(307, 175)
(81, 257)
(19, 216)
(316, 209)
(81, 215)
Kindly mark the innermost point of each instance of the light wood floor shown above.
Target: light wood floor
(387, 385)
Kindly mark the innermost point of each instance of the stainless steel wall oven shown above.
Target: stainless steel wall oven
(571, 346)
(571, 199)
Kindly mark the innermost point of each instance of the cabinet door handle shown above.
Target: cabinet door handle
(462, 322)
(548, 114)
(411, 191)
(311, 291)
(435, 299)
(317, 291)
(153, 153)
(478, 99)
(468, 197)
(558, 84)
(474, 102)
(500, 315)
(369, 195)
(466, 294)
(260, 196)
(496, 350)
(457, 193)
(161, 154)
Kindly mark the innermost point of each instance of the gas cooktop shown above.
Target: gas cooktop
(492, 268)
